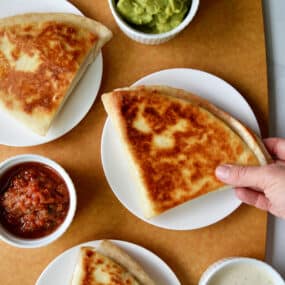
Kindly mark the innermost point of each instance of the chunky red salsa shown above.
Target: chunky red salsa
(34, 200)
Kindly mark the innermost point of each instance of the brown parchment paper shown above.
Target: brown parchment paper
(226, 38)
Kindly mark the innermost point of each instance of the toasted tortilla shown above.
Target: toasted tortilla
(42, 58)
(108, 264)
(114, 252)
(174, 140)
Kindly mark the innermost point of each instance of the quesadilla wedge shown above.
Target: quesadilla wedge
(108, 264)
(42, 58)
(174, 140)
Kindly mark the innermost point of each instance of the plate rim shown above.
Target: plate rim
(95, 243)
(104, 135)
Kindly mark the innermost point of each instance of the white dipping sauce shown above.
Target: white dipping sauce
(241, 274)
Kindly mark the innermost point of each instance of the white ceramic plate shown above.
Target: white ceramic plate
(200, 212)
(60, 270)
(13, 133)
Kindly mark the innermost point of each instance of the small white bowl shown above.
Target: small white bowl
(14, 240)
(153, 39)
(231, 261)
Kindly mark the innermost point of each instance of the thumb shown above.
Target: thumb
(242, 176)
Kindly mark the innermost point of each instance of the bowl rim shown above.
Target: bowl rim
(188, 18)
(222, 263)
(16, 241)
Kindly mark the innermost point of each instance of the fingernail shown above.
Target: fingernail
(223, 172)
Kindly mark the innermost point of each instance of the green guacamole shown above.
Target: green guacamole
(153, 16)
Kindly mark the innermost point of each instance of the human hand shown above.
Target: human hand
(260, 186)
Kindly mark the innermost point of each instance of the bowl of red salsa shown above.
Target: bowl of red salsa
(37, 201)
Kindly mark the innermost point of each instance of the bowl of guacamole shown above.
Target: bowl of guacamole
(153, 21)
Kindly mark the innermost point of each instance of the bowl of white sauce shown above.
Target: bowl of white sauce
(241, 271)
